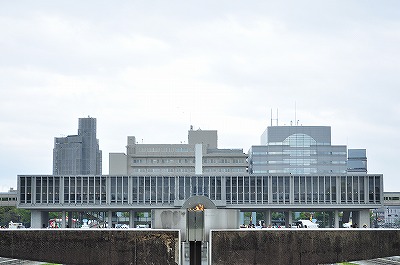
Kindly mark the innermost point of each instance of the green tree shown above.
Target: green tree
(14, 214)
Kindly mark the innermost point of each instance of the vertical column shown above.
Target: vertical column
(132, 215)
(223, 188)
(109, 219)
(36, 219)
(288, 218)
(336, 213)
(64, 219)
(365, 220)
(355, 216)
(346, 217)
(291, 190)
(61, 190)
(330, 217)
(267, 218)
(70, 220)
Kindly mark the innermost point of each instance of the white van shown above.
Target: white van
(305, 224)
(13, 225)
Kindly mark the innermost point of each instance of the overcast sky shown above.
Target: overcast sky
(151, 69)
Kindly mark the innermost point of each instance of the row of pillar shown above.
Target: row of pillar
(360, 218)
(40, 219)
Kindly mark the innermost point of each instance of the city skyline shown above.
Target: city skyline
(154, 69)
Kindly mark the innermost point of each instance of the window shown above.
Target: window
(299, 140)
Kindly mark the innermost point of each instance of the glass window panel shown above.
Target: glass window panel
(246, 189)
(38, 189)
(135, 189)
(22, 192)
(234, 190)
(362, 190)
(296, 191)
(343, 189)
(371, 189)
(240, 190)
(228, 189)
(29, 190)
(309, 189)
(377, 189)
(274, 189)
(327, 189)
(321, 198)
(218, 188)
(159, 185)
(181, 188)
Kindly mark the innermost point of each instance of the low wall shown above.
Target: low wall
(238, 246)
(302, 246)
(91, 246)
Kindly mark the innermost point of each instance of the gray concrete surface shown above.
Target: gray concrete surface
(302, 246)
(91, 246)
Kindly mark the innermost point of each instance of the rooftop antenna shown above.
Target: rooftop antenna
(272, 119)
(295, 113)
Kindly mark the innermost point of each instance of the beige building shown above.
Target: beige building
(200, 155)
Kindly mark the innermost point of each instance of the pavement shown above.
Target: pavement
(378, 261)
(6, 261)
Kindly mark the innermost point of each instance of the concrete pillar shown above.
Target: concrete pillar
(288, 218)
(355, 217)
(267, 218)
(330, 217)
(45, 219)
(70, 220)
(365, 219)
(109, 219)
(346, 217)
(36, 219)
(132, 216)
(336, 213)
(64, 219)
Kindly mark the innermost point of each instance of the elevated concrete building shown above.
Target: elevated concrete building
(262, 192)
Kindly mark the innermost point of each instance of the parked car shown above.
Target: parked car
(305, 224)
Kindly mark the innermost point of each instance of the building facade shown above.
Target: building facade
(78, 154)
(297, 150)
(8, 198)
(266, 193)
(388, 216)
(200, 155)
(296, 169)
(357, 160)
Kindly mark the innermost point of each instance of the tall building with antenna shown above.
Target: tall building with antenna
(297, 150)
(78, 154)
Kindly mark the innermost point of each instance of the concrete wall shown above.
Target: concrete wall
(94, 246)
(239, 246)
(302, 246)
(177, 219)
(118, 164)
(170, 219)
